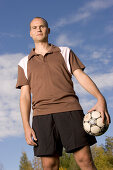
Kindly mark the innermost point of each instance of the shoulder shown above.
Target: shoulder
(65, 51)
(62, 48)
(23, 61)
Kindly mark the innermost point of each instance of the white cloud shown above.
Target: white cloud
(102, 55)
(65, 40)
(111, 69)
(91, 69)
(72, 19)
(97, 54)
(103, 82)
(87, 103)
(10, 119)
(11, 35)
(97, 5)
(84, 12)
(109, 29)
(110, 102)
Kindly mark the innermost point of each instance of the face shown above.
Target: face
(39, 30)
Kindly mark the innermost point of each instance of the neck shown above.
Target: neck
(40, 47)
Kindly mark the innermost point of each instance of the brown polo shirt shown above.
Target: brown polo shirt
(49, 78)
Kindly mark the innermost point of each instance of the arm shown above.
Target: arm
(86, 82)
(25, 107)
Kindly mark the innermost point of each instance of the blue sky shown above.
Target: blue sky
(84, 26)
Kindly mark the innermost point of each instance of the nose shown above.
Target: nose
(39, 29)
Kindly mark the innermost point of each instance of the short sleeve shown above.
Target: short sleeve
(21, 79)
(75, 62)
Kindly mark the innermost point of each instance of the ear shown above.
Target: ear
(48, 30)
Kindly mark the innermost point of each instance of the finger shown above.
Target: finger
(28, 141)
(108, 118)
(92, 109)
(34, 136)
(31, 142)
(103, 117)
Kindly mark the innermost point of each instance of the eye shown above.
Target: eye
(42, 26)
(34, 27)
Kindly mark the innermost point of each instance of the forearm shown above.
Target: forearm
(25, 108)
(86, 82)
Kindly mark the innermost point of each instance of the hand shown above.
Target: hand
(101, 107)
(29, 133)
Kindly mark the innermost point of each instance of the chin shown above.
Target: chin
(40, 40)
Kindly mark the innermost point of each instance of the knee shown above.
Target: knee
(84, 161)
(50, 164)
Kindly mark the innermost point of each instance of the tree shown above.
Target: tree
(109, 145)
(109, 149)
(25, 164)
(62, 168)
(67, 162)
(37, 163)
(73, 165)
(103, 155)
(100, 158)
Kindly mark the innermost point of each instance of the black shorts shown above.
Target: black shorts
(57, 130)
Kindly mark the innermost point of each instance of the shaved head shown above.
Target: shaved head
(46, 23)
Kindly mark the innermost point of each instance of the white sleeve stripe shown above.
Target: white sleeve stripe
(65, 53)
(23, 64)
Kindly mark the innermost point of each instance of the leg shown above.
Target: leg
(84, 159)
(50, 163)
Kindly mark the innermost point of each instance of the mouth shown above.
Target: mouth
(39, 34)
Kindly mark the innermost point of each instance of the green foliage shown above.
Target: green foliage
(109, 145)
(100, 158)
(37, 163)
(25, 164)
(109, 150)
(103, 155)
(67, 162)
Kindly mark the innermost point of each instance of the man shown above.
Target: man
(57, 115)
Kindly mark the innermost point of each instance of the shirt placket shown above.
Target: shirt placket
(44, 58)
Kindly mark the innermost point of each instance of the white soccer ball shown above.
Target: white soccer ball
(93, 124)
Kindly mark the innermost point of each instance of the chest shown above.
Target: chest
(41, 65)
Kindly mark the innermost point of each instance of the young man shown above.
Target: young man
(57, 115)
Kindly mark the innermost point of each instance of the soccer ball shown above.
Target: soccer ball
(93, 124)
